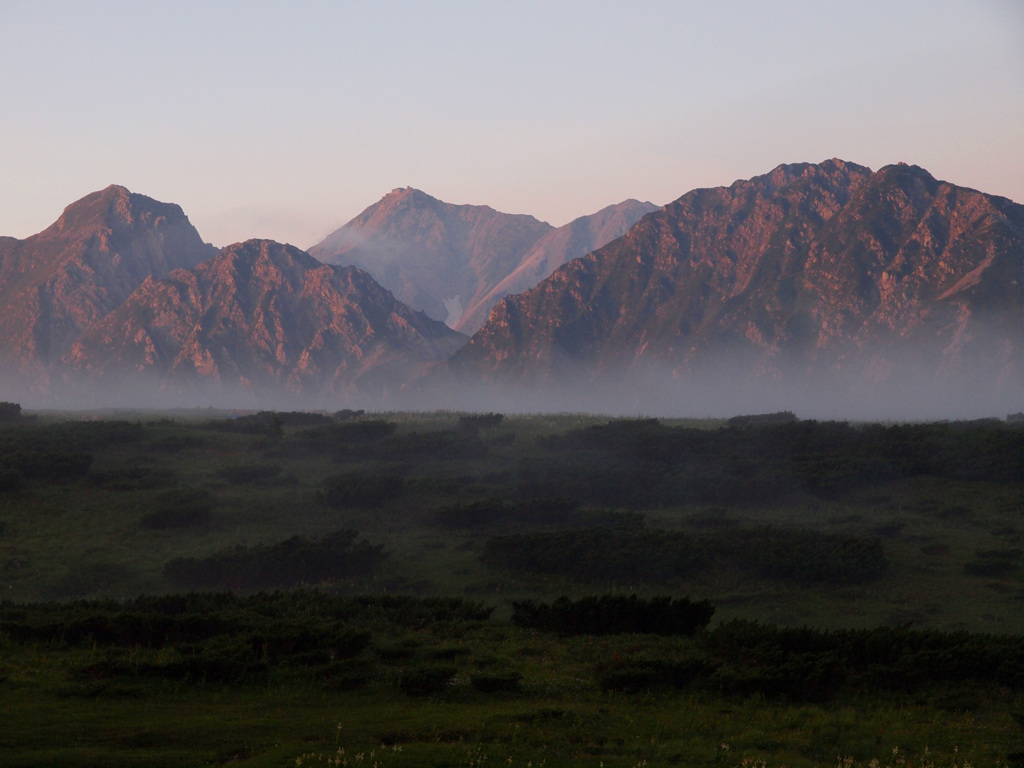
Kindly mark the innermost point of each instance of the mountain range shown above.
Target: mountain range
(830, 280)
(455, 262)
(825, 285)
(259, 323)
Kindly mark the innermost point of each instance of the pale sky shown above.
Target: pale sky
(285, 120)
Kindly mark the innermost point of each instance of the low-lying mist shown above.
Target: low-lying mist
(720, 390)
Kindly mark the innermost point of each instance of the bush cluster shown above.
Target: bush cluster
(619, 554)
(348, 437)
(361, 490)
(297, 560)
(56, 452)
(743, 658)
(180, 508)
(443, 445)
(615, 614)
(811, 664)
(641, 462)
(221, 637)
(473, 424)
(558, 512)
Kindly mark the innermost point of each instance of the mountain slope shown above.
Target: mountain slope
(56, 284)
(575, 239)
(264, 322)
(827, 277)
(434, 256)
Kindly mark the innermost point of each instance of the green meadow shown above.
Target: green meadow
(396, 589)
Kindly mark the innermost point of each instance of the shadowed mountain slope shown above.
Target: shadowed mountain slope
(828, 280)
(263, 322)
(575, 239)
(56, 284)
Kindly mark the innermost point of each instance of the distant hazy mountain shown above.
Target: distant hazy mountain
(826, 280)
(434, 256)
(56, 284)
(261, 323)
(577, 238)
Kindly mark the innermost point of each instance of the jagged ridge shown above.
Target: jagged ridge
(263, 320)
(827, 273)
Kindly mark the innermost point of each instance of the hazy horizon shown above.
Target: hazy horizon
(285, 122)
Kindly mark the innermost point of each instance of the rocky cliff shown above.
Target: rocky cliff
(261, 323)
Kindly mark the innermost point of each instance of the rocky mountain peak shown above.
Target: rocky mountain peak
(436, 257)
(55, 284)
(114, 208)
(828, 279)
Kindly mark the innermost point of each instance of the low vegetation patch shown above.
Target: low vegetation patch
(361, 490)
(297, 560)
(615, 614)
(606, 554)
(180, 508)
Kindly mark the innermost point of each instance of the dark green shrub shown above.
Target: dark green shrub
(11, 480)
(340, 437)
(263, 423)
(222, 659)
(444, 445)
(131, 478)
(473, 424)
(51, 466)
(599, 554)
(297, 560)
(995, 562)
(178, 443)
(633, 553)
(492, 511)
(361, 490)
(496, 682)
(298, 418)
(10, 413)
(180, 508)
(762, 419)
(83, 579)
(425, 680)
(712, 518)
(347, 414)
(557, 510)
(251, 474)
(346, 675)
(634, 675)
(615, 614)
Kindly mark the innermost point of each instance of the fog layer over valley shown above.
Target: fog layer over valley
(828, 290)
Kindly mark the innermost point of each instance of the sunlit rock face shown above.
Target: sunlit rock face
(263, 323)
(56, 284)
(827, 279)
(434, 256)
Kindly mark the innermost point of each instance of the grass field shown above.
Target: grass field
(825, 526)
(54, 716)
